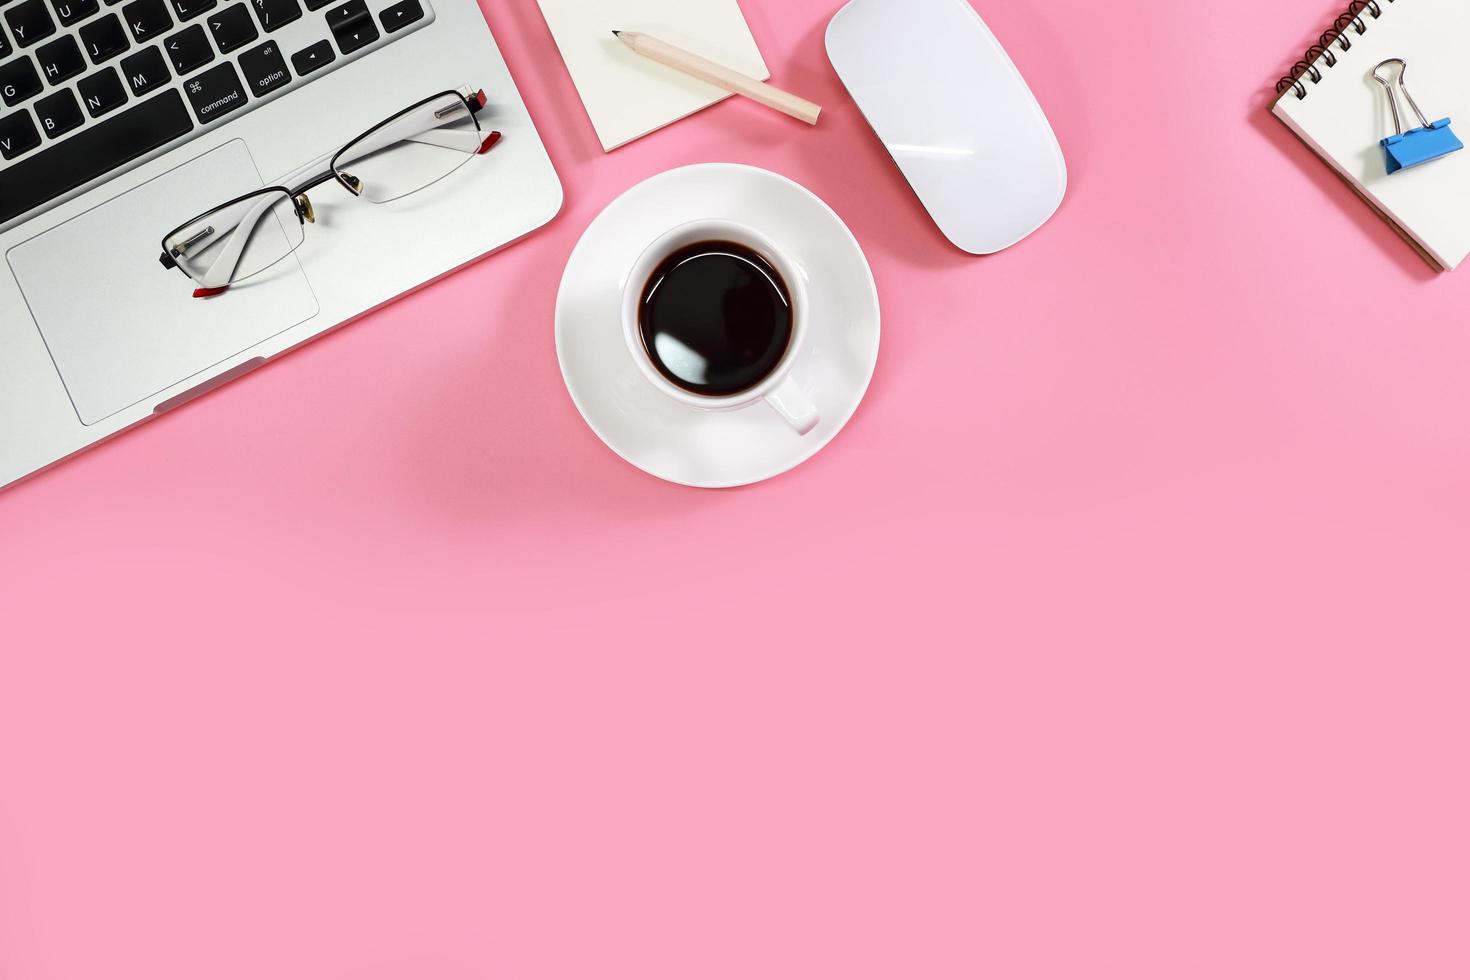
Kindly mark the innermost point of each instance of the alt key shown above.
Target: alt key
(264, 68)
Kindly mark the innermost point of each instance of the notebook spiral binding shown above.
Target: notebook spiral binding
(1337, 35)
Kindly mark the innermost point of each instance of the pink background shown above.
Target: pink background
(1119, 637)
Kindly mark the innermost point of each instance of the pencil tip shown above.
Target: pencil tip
(617, 33)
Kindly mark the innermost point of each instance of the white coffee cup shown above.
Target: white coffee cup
(778, 389)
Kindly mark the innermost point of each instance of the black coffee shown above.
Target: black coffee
(715, 318)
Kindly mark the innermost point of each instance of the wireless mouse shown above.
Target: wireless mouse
(954, 113)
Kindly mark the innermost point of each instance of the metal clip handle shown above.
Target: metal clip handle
(1393, 104)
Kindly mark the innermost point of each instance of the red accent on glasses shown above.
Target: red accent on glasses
(489, 141)
(480, 98)
(205, 291)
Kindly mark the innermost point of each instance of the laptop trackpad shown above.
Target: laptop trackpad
(120, 327)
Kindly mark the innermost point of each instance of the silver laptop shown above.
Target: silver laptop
(126, 125)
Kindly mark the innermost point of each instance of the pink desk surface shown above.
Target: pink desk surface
(1120, 637)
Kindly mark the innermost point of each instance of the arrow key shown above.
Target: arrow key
(308, 60)
(400, 15)
(352, 25)
(350, 41)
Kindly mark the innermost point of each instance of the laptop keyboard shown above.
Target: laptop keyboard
(90, 88)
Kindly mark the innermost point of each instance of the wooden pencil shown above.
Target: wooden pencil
(717, 74)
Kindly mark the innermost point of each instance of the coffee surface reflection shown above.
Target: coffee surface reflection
(715, 318)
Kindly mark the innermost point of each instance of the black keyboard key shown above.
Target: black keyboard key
(264, 68)
(232, 28)
(101, 92)
(216, 92)
(146, 19)
(357, 36)
(316, 4)
(188, 49)
(145, 71)
(60, 59)
(120, 138)
(274, 14)
(18, 81)
(352, 25)
(104, 38)
(30, 22)
(59, 113)
(308, 60)
(352, 10)
(17, 134)
(4, 45)
(400, 15)
(71, 11)
(191, 8)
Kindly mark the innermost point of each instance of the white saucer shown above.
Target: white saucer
(648, 428)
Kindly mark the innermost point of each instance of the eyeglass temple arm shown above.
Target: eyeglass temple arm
(417, 128)
(427, 125)
(223, 268)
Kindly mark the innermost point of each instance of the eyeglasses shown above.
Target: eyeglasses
(405, 153)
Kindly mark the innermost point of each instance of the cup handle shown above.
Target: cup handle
(795, 407)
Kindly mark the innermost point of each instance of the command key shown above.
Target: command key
(215, 93)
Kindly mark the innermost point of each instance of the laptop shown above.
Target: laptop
(123, 120)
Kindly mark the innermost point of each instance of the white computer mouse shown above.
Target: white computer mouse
(956, 115)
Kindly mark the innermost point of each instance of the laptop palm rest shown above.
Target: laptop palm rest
(119, 326)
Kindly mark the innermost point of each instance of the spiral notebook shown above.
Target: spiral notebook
(1332, 103)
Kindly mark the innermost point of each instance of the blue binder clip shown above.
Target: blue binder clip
(1430, 141)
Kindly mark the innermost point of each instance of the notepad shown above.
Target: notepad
(1336, 107)
(628, 96)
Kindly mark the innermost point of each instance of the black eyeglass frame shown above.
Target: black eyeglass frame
(474, 103)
